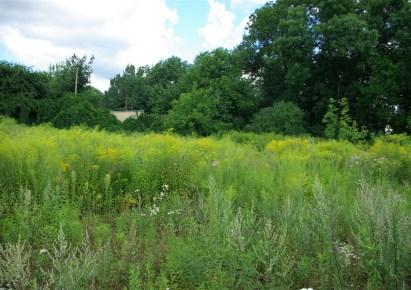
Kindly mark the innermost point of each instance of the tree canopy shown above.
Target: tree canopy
(295, 59)
(310, 51)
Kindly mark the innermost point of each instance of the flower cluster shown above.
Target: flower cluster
(347, 252)
(154, 209)
(172, 212)
(355, 159)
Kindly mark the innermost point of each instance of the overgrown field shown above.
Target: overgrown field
(83, 209)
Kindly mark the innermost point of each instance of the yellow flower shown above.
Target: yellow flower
(65, 167)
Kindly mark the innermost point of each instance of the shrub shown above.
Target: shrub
(76, 110)
(282, 117)
(339, 124)
(144, 123)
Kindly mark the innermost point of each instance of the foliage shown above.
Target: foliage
(164, 84)
(76, 110)
(144, 123)
(359, 50)
(147, 88)
(218, 71)
(63, 75)
(339, 124)
(282, 117)
(22, 91)
(197, 112)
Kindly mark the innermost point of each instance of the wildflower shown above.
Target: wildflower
(65, 167)
(379, 160)
(43, 251)
(347, 252)
(176, 212)
(355, 159)
(215, 163)
(154, 210)
(165, 187)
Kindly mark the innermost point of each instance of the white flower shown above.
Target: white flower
(154, 210)
(171, 212)
(165, 187)
(43, 251)
(215, 163)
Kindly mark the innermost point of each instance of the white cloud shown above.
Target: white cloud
(100, 83)
(30, 51)
(220, 29)
(117, 33)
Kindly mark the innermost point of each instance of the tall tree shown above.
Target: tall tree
(310, 51)
(128, 91)
(198, 112)
(220, 72)
(63, 75)
(164, 84)
(21, 91)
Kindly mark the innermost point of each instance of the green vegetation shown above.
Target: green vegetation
(87, 202)
(282, 117)
(351, 57)
(86, 209)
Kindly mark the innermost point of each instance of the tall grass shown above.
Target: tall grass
(85, 209)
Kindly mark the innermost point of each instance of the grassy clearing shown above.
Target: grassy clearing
(85, 209)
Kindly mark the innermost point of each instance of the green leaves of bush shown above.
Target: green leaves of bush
(283, 117)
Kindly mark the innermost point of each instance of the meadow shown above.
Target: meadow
(87, 209)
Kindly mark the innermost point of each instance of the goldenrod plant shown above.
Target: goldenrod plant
(89, 209)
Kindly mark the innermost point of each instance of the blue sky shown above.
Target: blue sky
(39, 33)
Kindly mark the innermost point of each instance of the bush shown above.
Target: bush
(339, 124)
(76, 110)
(144, 123)
(282, 117)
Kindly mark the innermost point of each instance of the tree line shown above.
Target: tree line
(301, 67)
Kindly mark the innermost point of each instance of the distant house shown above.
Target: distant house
(122, 115)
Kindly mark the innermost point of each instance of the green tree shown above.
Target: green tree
(21, 92)
(129, 90)
(151, 89)
(197, 112)
(164, 84)
(359, 50)
(219, 71)
(63, 75)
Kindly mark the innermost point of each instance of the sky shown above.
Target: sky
(39, 33)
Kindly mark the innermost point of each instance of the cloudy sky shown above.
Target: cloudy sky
(118, 32)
